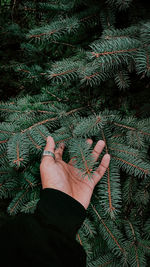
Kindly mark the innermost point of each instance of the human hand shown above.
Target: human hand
(57, 174)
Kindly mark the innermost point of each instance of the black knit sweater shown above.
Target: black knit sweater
(47, 237)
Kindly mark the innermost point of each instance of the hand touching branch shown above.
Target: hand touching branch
(57, 174)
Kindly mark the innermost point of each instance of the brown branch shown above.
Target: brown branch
(108, 177)
(114, 52)
(88, 227)
(49, 33)
(124, 151)
(51, 119)
(7, 109)
(79, 239)
(130, 128)
(62, 73)
(133, 165)
(138, 265)
(88, 171)
(4, 141)
(132, 229)
(110, 233)
(91, 76)
(18, 159)
(12, 209)
(42, 34)
(34, 143)
(64, 44)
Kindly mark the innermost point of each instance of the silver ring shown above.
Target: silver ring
(48, 153)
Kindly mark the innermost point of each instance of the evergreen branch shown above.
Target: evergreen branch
(87, 169)
(144, 246)
(103, 260)
(30, 206)
(113, 52)
(66, 70)
(111, 208)
(132, 165)
(122, 79)
(55, 29)
(9, 110)
(129, 188)
(42, 34)
(131, 128)
(31, 111)
(132, 230)
(92, 75)
(120, 150)
(137, 259)
(63, 73)
(138, 251)
(17, 150)
(88, 228)
(69, 24)
(142, 61)
(86, 18)
(33, 142)
(109, 191)
(132, 31)
(89, 126)
(4, 141)
(64, 137)
(107, 229)
(84, 161)
(14, 205)
(64, 44)
(51, 119)
(18, 154)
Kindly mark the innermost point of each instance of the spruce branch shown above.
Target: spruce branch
(52, 119)
(108, 231)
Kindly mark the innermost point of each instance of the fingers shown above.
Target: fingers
(98, 149)
(50, 146)
(101, 168)
(59, 151)
(72, 161)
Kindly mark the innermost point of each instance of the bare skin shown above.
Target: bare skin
(57, 174)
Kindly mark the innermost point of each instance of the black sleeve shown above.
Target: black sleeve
(47, 237)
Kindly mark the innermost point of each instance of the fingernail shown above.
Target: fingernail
(100, 141)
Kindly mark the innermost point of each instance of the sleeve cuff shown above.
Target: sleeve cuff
(61, 211)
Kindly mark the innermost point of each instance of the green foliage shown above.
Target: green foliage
(79, 66)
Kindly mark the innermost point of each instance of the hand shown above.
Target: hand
(57, 174)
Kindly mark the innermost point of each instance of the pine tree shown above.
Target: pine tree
(71, 54)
